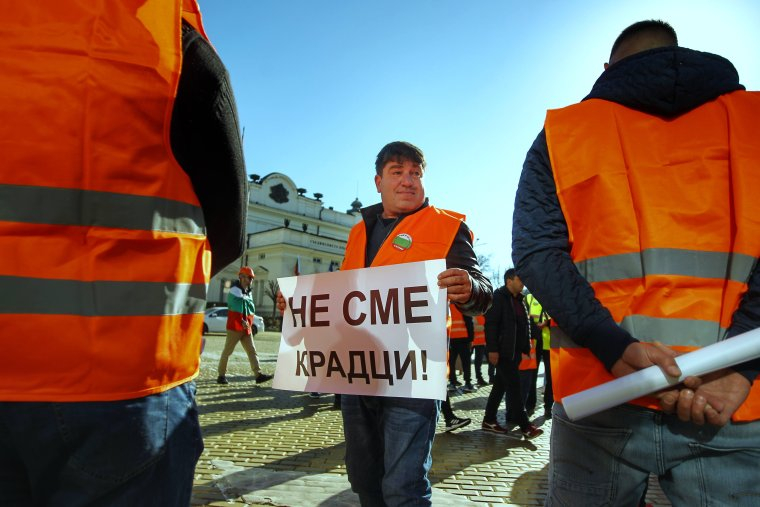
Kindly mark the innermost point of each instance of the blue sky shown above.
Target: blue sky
(322, 85)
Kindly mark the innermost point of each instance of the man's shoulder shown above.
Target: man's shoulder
(505, 296)
(449, 213)
(501, 291)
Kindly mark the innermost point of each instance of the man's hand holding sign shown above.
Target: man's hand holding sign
(458, 284)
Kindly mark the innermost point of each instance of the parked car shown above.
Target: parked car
(215, 321)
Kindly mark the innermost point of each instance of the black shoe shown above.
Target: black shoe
(221, 379)
(469, 388)
(482, 383)
(457, 422)
(263, 377)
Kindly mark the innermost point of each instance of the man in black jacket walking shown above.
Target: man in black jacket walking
(507, 337)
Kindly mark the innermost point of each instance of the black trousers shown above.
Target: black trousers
(481, 356)
(460, 347)
(507, 380)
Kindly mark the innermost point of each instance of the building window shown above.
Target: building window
(317, 260)
(262, 256)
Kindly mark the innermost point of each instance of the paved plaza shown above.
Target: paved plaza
(270, 447)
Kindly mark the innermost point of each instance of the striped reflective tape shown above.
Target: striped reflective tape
(684, 332)
(88, 208)
(19, 295)
(668, 261)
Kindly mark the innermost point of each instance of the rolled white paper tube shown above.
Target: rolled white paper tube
(714, 357)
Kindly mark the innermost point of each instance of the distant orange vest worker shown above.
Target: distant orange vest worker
(105, 261)
(479, 322)
(669, 257)
(528, 361)
(458, 328)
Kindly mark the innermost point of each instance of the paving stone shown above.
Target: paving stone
(270, 447)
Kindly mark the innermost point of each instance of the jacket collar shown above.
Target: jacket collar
(667, 81)
(370, 214)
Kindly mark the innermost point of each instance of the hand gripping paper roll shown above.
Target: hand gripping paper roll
(722, 354)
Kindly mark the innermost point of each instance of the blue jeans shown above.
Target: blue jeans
(606, 459)
(132, 452)
(388, 448)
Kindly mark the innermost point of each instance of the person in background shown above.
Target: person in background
(460, 343)
(645, 196)
(479, 347)
(123, 191)
(542, 324)
(387, 466)
(240, 327)
(528, 373)
(507, 338)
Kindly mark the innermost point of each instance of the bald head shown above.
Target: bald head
(642, 36)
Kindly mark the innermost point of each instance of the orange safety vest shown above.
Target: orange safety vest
(528, 361)
(480, 330)
(662, 222)
(422, 236)
(458, 329)
(105, 260)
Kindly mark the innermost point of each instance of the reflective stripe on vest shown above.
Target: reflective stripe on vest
(479, 322)
(458, 328)
(104, 262)
(674, 236)
(85, 208)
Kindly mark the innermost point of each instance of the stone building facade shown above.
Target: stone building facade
(287, 232)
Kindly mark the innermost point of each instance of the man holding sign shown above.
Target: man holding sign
(644, 197)
(389, 440)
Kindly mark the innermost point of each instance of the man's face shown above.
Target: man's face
(400, 187)
(245, 281)
(515, 285)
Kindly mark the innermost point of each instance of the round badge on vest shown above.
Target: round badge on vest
(402, 242)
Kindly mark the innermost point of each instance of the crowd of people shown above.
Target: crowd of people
(634, 226)
(511, 332)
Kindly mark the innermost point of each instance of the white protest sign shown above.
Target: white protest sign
(377, 331)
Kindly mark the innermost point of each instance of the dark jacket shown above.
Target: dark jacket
(205, 139)
(666, 82)
(505, 333)
(461, 255)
